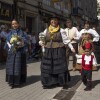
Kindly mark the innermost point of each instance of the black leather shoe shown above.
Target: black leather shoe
(88, 89)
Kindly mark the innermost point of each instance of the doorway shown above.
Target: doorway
(29, 24)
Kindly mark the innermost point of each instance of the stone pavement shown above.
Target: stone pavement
(32, 90)
(89, 95)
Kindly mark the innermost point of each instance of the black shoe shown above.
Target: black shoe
(88, 89)
(47, 87)
(85, 83)
(89, 86)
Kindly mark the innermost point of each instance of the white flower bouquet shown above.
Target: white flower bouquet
(17, 42)
(42, 39)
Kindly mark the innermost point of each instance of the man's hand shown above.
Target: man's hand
(73, 50)
(72, 39)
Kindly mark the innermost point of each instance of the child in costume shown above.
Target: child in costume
(88, 61)
(87, 34)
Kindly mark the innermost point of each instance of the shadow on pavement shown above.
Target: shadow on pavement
(67, 93)
(32, 79)
(33, 61)
(94, 83)
(2, 66)
(74, 81)
(98, 68)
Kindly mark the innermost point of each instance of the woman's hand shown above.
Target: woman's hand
(20, 44)
(41, 43)
(72, 39)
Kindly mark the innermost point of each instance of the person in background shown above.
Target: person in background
(16, 71)
(3, 36)
(97, 44)
(72, 34)
(33, 45)
(3, 32)
(92, 32)
(87, 34)
(33, 39)
(78, 28)
(88, 61)
(29, 42)
(54, 68)
(27, 30)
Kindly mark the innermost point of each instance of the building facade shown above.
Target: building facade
(83, 10)
(98, 9)
(35, 14)
(6, 13)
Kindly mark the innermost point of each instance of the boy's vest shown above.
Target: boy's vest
(86, 66)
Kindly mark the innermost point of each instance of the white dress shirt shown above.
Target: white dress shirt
(72, 33)
(87, 59)
(65, 38)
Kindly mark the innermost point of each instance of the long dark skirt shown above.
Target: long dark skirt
(54, 69)
(16, 70)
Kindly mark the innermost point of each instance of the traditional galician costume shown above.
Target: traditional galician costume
(87, 62)
(86, 36)
(54, 69)
(72, 34)
(16, 60)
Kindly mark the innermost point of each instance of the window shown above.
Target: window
(47, 2)
(57, 5)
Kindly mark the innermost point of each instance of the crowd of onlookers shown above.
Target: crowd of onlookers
(3, 36)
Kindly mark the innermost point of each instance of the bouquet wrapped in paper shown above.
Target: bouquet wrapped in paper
(42, 38)
(17, 42)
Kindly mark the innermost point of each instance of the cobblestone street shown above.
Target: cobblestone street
(32, 90)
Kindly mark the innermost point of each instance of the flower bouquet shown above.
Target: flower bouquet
(17, 42)
(42, 38)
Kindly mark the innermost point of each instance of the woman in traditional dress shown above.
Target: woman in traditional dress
(54, 69)
(16, 71)
(86, 35)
